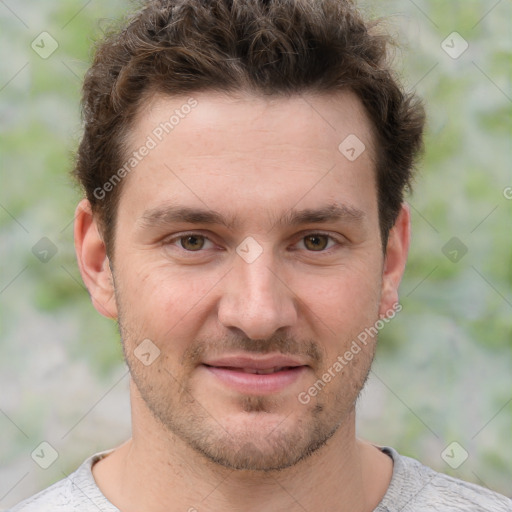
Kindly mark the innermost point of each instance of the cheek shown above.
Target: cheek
(158, 287)
(165, 304)
(344, 300)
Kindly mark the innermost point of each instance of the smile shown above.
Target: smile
(263, 371)
(255, 381)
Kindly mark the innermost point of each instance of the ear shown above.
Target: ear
(93, 261)
(396, 256)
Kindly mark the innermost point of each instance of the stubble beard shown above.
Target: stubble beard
(286, 444)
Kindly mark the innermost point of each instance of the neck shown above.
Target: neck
(155, 471)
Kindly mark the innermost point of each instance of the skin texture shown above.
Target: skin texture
(196, 442)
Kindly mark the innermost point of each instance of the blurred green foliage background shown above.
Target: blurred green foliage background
(443, 368)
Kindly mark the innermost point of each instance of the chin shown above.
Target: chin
(259, 441)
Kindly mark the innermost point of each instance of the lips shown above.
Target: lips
(262, 363)
(263, 371)
(256, 375)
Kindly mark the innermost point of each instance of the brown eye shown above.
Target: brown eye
(192, 242)
(316, 242)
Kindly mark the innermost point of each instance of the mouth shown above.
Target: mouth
(263, 371)
(256, 376)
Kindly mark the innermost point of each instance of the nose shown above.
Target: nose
(256, 299)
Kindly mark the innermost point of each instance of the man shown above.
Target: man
(244, 165)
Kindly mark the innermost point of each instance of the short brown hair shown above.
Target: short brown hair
(271, 47)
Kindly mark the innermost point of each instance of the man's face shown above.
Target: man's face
(260, 293)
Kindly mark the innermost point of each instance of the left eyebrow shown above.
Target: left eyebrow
(329, 213)
(166, 215)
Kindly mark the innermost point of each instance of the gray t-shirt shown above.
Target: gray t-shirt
(413, 488)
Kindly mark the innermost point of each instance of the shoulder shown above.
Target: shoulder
(415, 486)
(57, 497)
(76, 492)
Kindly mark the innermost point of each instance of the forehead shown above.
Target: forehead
(317, 119)
(209, 146)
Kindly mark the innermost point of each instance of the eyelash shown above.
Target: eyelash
(174, 239)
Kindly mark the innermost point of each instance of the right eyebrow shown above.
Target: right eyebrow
(172, 214)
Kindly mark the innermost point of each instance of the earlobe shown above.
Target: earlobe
(93, 261)
(396, 256)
